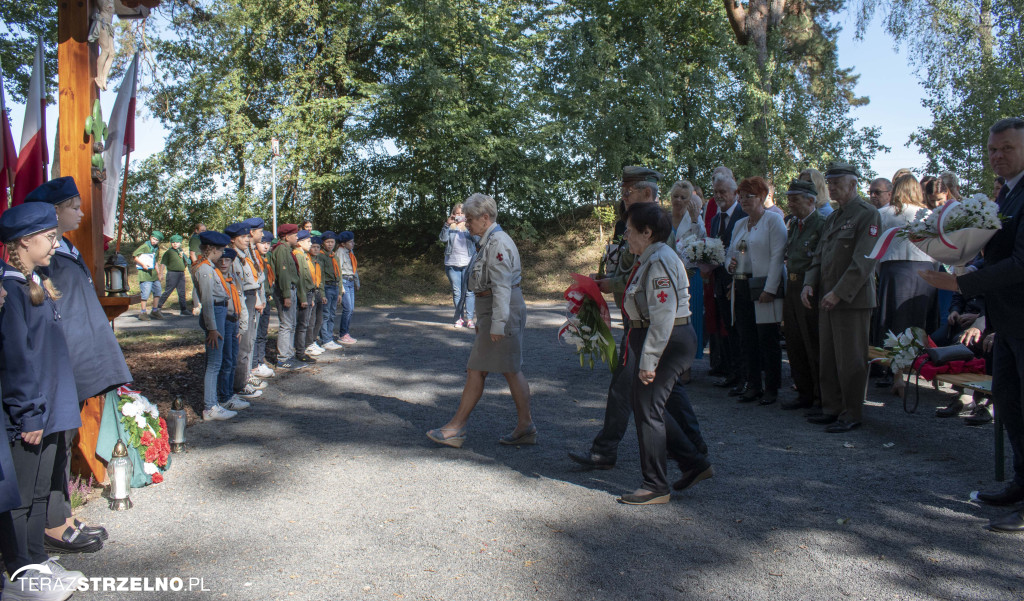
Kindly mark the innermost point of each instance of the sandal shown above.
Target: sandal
(454, 441)
(527, 437)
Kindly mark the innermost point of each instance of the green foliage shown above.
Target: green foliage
(23, 21)
(605, 214)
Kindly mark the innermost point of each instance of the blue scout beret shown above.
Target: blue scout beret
(268, 237)
(229, 253)
(318, 240)
(237, 229)
(54, 191)
(212, 238)
(329, 234)
(345, 236)
(255, 223)
(26, 219)
(303, 234)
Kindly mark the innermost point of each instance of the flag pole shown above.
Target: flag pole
(124, 191)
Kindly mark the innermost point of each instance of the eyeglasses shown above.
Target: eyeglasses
(749, 197)
(879, 192)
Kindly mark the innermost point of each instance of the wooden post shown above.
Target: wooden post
(77, 90)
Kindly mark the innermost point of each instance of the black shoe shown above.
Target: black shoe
(1012, 493)
(951, 410)
(885, 382)
(727, 382)
(979, 417)
(72, 541)
(840, 426)
(738, 390)
(814, 412)
(823, 419)
(797, 404)
(750, 395)
(645, 498)
(769, 397)
(304, 358)
(1013, 522)
(592, 460)
(97, 531)
(693, 476)
(718, 373)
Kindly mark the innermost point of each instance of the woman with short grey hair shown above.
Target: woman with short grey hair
(494, 275)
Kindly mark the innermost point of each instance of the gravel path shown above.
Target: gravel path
(327, 488)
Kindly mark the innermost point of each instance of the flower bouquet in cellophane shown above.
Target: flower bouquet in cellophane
(588, 323)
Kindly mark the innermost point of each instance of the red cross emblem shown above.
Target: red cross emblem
(662, 297)
(500, 258)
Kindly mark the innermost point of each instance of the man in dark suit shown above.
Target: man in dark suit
(1001, 280)
(722, 224)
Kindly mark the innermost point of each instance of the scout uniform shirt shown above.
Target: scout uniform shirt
(620, 265)
(259, 267)
(242, 273)
(841, 264)
(657, 298)
(305, 285)
(330, 268)
(211, 291)
(496, 268)
(801, 244)
(316, 269)
(347, 261)
(174, 260)
(285, 269)
(146, 275)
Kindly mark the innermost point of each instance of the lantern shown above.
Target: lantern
(115, 276)
(176, 426)
(119, 471)
(743, 267)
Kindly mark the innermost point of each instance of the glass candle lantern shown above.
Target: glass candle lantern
(119, 472)
(176, 426)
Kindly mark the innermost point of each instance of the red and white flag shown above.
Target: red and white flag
(8, 152)
(120, 139)
(33, 156)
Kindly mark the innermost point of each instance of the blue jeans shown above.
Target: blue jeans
(348, 304)
(327, 330)
(214, 358)
(226, 378)
(147, 288)
(455, 275)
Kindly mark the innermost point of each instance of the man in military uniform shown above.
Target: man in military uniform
(800, 324)
(841, 278)
(286, 280)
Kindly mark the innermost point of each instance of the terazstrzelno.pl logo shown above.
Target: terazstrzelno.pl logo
(44, 580)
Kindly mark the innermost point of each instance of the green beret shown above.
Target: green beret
(838, 169)
(158, 235)
(799, 186)
(315, 233)
(176, 238)
(640, 174)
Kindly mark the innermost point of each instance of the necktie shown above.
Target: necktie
(1003, 193)
(800, 225)
(722, 218)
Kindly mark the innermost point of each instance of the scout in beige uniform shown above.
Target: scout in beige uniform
(246, 276)
(661, 343)
(494, 276)
(841, 277)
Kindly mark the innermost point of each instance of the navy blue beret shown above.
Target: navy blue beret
(255, 223)
(237, 229)
(329, 235)
(212, 238)
(54, 191)
(27, 219)
(303, 234)
(318, 240)
(346, 236)
(268, 237)
(229, 253)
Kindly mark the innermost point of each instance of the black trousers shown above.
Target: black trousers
(732, 352)
(262, 327)
(761, 350)
(316, 318)
(685, 443)
(21, 529)
(650, 402)
(302, 316)
(58, 508)
(1008, 395)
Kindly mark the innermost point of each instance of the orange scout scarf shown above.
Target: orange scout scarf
(229, 287)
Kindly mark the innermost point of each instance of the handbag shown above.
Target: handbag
(944, 354)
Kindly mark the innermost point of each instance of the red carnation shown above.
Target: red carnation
(147, 438)
(163, 430)
(152, 453)
(158, 478)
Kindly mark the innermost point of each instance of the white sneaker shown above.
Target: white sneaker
(263, 371)
(332, 346)
(256, 383)
(235, 403)
(71, 577)
(314, 350)
(248, 393)
(218, 413)
(316, 346)
(34, 585)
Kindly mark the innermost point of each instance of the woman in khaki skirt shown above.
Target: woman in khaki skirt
(493, 276)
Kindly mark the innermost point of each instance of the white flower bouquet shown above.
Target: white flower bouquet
(588, 324)
(904, 349)
(706, 251)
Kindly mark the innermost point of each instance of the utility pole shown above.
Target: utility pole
(275, 151)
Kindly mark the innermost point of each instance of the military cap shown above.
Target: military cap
(345, 236)
(26, 219)
(799, 186)
(54, 191)
(640, 174)
(214, 238)
(303, 234)
(839, 169)
(237, 229)
(176, 238)
(286, 229)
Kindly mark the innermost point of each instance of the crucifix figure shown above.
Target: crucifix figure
(102, 31)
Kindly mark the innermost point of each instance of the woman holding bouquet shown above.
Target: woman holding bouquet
(657, 305)
(756, 254)
(687, 226)
(494, 276)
